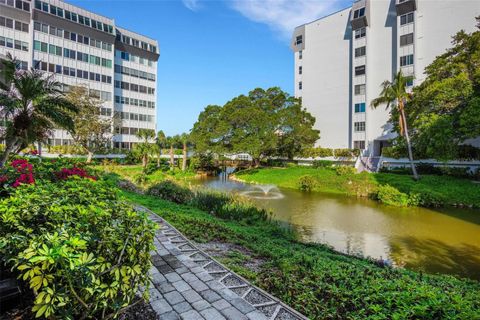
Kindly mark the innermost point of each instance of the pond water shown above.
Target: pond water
(430, 240)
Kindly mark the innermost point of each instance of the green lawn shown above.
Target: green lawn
(318, 282)
(433, 190)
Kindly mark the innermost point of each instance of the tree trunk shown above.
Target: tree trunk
(158, 158)
(184, 160)
(9, 147)
(39, 147)
(89, 156)
(409, 145)
(144, 161)
(172, 160)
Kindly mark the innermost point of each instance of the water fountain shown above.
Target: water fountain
(266, 192)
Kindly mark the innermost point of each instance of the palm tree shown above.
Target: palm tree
(394, 94)
(171, 142)
(185, 140)
(161, 141)
(145, 146)
(32, 104)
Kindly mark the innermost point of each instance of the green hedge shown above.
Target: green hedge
(82, 250)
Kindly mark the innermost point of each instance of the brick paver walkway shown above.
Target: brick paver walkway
(189, 284)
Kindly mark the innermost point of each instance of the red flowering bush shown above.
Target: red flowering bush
(75, 171)
(22, 173)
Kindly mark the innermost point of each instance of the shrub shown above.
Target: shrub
(345, 170)
(64, 173)
(307, 183)
(318, 152)
(322, 163)
(169, 190)
(349, 153)
(228, 206)
(83, 251)
(389, 195)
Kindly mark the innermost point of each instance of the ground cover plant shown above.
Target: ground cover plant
(80, 248)
(431, 190)
(317, 281)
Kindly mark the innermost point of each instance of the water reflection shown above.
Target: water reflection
(444, 241)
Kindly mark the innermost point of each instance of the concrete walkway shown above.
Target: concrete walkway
(189, 284)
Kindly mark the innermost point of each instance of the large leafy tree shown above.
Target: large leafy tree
(145, 147)
(93, 132)
(395, 95)
(32, 104)
(262, 123)
(445, 109)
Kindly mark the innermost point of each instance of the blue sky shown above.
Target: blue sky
(212, 51)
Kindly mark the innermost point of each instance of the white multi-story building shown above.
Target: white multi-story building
(342, 59)
(80, 47)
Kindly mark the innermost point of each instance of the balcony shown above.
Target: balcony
(405, 6)
(359, 15)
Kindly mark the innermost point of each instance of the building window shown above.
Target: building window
(300, 55)
(406, 18)
(299, 40)
(300, 70)
(409, 82)
(359, 126)
(360, 33)
(406, 60)
(359, 107)
(300, 85)
(360, 52)
(406, 39)
(359, 145)
(359, 89)
(359, 13)
(360, 70)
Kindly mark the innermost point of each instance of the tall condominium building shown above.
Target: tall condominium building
(342, 59)
(80, 47)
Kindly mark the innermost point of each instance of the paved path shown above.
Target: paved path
(189, 284)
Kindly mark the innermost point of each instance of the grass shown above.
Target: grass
(319, 282)
(431, 190)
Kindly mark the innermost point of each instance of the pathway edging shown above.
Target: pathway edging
(187, 283)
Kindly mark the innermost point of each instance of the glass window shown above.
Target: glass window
(43, 47)
(299, 40)
(36, 45)
(359, 126)
(360, 33)
(359, 52)
(300, 85)
(409, 82)
(360, 70)
(359, 107)
(359, 13)
(406, 39)
(406, 60)
(300, 54)
(300, 70)
(359, 144)
(406, 18)
(359, 89)
(37, 26)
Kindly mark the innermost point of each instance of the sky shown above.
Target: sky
(214, 50)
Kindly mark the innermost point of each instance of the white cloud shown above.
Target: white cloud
(284, 15)
(193, 5)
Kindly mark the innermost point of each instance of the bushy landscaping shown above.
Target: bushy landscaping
(317, 281)
(402, 190)
(72, 240)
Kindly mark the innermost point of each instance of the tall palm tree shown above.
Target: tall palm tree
(172, 142)
(161, 141)
(32, 104)
(145, 146)
(394, 94)
(185, 140)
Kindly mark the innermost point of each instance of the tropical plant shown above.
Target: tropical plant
(161, 142)
(145, 147)
(394, 94)
(92, 131)
(185, 140)
(32, 104)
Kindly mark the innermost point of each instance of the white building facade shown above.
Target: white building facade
(118, 66)
(342, 59)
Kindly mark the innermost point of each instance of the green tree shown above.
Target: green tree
(263, 123)
(161, 142)
(185, 140)
(32, 104)
(92, 131)
(445, 109)
(394, 94)
(145, 147)
(171, 143)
